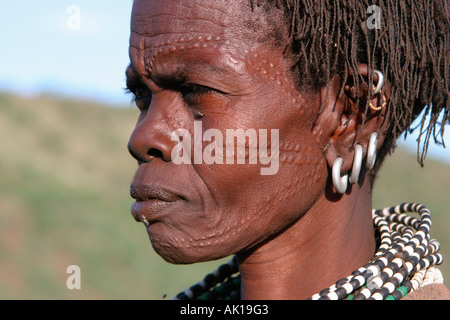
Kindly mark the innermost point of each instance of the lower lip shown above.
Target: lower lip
(150, 211)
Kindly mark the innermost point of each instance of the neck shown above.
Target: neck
(326, 244)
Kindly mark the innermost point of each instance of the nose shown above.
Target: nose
(151, 137)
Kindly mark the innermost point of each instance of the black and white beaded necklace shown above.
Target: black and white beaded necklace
(405, 255)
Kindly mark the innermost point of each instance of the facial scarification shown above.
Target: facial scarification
(223, 208)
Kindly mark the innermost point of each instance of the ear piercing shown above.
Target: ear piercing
(372, 151)
(380, 82)
(357, 162)
(380, 107)
(376, 90)
(340, 181)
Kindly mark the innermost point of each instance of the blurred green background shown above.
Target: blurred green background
(64, 182)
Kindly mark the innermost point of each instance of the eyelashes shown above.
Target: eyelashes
(136, 89)
(191, 94)
(140, 96)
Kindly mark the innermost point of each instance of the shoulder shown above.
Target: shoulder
(429, 292)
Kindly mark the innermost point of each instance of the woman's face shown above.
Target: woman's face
(216, 63)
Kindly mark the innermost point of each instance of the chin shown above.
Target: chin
(176, 255)
(176, 251)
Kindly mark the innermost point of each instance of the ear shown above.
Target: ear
(350, 115)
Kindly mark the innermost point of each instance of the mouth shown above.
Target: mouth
(150, 202)
(150, 192)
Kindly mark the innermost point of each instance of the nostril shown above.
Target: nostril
(151, 154)
(155, 153)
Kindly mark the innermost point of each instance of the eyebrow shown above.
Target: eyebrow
(134, 79)
(176, 77)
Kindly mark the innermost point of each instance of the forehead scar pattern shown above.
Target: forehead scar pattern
(165, 47)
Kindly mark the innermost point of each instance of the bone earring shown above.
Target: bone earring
(380, 82)
(377, 89)
(357, 163)
(372, 151)
(339, 182)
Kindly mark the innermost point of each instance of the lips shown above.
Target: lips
(150, 192)
(150, 202)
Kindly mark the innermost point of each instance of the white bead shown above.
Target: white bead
(399, 277)
(360, 280)
(409, 250)
(375, 283)
(377, 296)
(374, 269)
(389, 271)
(348, 287)
(366, 293)
(333, 296)
(315, 297)
(189, 293)
(390, 286)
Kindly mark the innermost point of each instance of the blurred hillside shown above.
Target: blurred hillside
(64, 182)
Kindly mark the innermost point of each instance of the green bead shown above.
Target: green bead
(403, 290)
(204, 296)
(220, 289)
(390, 297)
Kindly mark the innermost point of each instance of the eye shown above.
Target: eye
(141, 96)
(193, 94)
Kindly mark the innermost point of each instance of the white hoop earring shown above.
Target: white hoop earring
(380, 82)
(372, 151)
(357, 163)
(339, 182)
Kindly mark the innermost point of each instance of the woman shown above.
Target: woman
(335, 83)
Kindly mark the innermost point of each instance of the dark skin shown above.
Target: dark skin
(294, 235)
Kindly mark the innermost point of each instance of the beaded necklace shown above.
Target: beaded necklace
(404, 261)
